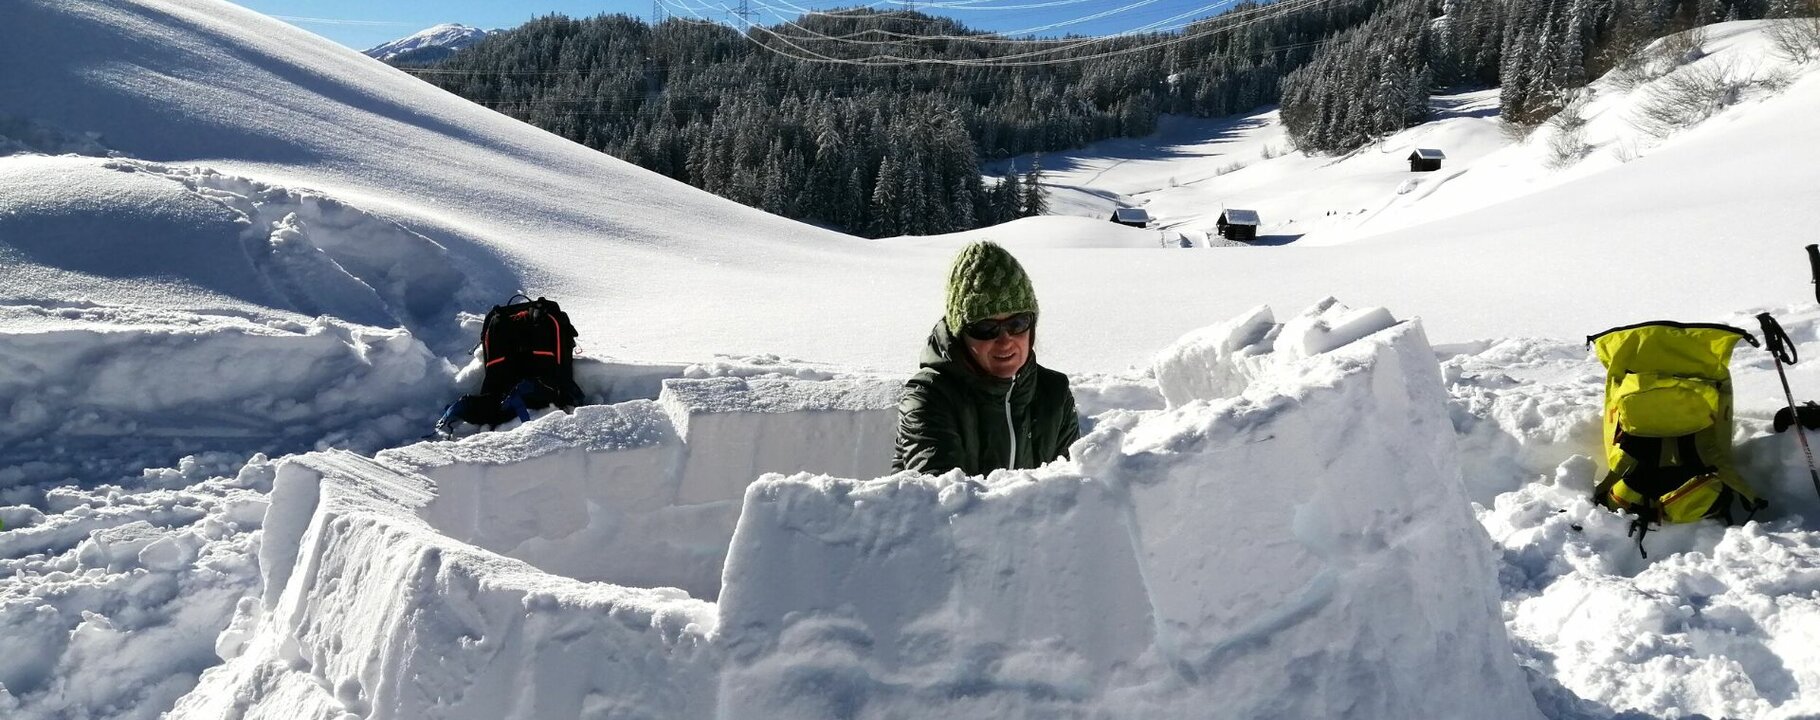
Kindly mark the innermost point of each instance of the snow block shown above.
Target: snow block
(1222, 360)
(383, 617)
(589, 495)
(738, 429)
(117, 547)
(1368, 589)
(1209, 362)
(931, 595)
(1291, 539)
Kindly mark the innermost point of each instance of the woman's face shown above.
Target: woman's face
(1007, 346)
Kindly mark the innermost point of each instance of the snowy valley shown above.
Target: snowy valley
(1343, 472)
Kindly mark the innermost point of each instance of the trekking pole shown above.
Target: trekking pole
(1781, 349)
(1813, 265)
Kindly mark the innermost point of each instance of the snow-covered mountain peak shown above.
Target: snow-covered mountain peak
(450, 36)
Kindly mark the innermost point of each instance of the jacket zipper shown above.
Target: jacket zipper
(1011, 462)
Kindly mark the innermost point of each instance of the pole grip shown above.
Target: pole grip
(1813, 264)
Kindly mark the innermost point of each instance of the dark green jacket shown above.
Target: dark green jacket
(953, 416)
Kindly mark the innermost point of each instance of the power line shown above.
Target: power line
(800, 43)
(797, 51)
(433, 71)
(1170, 23)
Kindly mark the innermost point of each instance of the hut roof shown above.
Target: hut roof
(1241, 217)
(1428, 154)
(1132, 215)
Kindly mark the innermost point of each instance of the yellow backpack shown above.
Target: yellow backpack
(1668, 423)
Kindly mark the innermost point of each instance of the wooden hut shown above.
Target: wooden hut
(1132, 217)
(1426, 160)
(1239, 224)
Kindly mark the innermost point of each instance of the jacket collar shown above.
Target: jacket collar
(947, 354)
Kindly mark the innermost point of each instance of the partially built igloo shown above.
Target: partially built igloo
(1289, 539)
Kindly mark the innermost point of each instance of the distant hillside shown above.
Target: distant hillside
(874, 122)
(875, 149)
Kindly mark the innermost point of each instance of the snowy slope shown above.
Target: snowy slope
(205, 83)
(192, 83)
(236, 178)
(1192, 169)
(449, 36)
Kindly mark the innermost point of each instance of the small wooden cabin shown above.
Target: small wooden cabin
(1426, 160)
(1239, 224)
(1132, 217)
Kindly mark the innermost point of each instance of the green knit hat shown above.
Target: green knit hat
(986, 281)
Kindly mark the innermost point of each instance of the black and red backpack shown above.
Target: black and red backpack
(529, 352)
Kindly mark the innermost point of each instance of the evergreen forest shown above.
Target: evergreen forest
(877, 123)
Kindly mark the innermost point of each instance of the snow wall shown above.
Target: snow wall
(1290, 538)
(646, 493)
(102, 391)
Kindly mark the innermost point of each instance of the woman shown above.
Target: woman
(980, 402)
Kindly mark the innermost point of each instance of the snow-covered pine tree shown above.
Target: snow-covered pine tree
(1036, 197)
(885, 197)
(1009, 196)
(1573, 45)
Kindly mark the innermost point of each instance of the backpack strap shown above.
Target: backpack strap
(545, 314)
(486, 336)
(1640, 526)
(1751, 500)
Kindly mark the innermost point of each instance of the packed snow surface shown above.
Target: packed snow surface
(224, 241)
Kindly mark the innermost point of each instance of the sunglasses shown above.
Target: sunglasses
(990, 329)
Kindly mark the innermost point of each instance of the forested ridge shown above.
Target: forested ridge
(1374, 79)
(876, 150)
(805, 120)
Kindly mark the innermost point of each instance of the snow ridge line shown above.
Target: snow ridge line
(330, 258)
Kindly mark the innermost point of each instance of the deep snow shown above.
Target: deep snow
(233, 178)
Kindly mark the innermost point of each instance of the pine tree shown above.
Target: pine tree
(1009, 197)
(772, 186)
(1573, 46)
(1035, 200)
(885, 200)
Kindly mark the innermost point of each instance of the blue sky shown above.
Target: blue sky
(361, 24)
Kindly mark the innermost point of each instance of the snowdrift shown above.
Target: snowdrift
(1228, 556)
(97, 392)
(202, 240)
(211, 87)
(147, 308)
